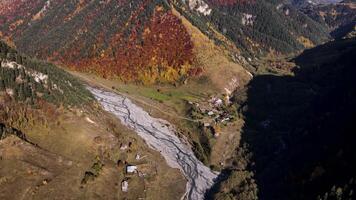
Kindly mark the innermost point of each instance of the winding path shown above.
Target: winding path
(160, 136)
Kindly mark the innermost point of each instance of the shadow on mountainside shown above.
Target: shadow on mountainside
(300, 129)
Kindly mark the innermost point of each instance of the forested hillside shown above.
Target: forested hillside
(340, 18)
(133, 40)
(257, 27)
(31, 91)
(29, 80)
(143, 41)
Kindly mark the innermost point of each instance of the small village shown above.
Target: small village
(213, 113)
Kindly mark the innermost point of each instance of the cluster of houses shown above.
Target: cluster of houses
(213, 113)
(141, 168)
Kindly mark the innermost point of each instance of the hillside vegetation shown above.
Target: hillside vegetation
(258, 27)
(144, 42)
(133, 40)
(29, 80)
(340, 18)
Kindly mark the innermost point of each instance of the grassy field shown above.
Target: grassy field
(64, 148)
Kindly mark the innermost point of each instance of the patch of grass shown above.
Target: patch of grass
(155, 94)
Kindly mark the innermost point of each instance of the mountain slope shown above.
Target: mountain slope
(299, 141)
(256, 27)
(57, 142)
(143, 40)
(29, 81)
(340, 18)
(139, 40)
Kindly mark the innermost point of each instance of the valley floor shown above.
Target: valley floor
(160, 136)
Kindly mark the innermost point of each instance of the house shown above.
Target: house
(131, 169)
(124, 186)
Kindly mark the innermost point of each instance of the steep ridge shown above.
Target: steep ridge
(340, 17)
(256, 27)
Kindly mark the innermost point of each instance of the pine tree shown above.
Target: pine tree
(2, 85)
(21, 93)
